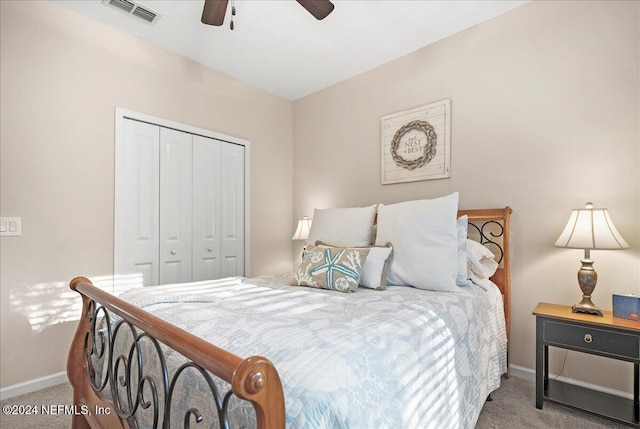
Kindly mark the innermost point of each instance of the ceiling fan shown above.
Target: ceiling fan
(215, 10)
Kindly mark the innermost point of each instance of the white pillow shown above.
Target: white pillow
(374, 271)
(423, 234)
(483, 282)
(344, 227)
(481, 260)
(462, 277)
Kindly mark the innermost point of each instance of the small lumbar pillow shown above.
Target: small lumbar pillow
(343, 227)
(374, 272)
(424, 237)
(481, 261)
(327, 267)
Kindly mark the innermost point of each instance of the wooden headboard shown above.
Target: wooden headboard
(491, 228)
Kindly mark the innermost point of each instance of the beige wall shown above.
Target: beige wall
(62, 75)
(545, 116)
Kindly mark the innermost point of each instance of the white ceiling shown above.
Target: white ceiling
(281, 48)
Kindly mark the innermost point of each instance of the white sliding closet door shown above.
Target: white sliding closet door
(206, 208)
(137, 215)
(175, 206)
(180, 212)
(232, 199)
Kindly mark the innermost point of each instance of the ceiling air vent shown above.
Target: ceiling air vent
(144, 14)
(133, 9)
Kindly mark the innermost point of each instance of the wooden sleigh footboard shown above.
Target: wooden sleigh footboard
(95, 390)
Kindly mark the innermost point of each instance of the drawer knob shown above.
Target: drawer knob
(588, 338)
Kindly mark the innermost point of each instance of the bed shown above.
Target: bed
(264, 353)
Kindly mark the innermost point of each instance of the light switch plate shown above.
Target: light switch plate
(10, 226)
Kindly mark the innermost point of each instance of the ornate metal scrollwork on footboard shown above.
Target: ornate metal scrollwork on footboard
(168, 379)
(122, 353)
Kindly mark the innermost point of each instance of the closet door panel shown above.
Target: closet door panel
(206, 208)
(136, 261)
(175, 206)
(232, 210)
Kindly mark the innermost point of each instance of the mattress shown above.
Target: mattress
(398, 358)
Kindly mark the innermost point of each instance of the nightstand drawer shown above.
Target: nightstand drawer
(590, 339)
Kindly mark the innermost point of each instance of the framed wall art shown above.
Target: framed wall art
(416, 144)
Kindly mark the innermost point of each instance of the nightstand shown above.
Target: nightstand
(606, 336)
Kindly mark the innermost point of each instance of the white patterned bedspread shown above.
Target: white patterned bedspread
(399, 358)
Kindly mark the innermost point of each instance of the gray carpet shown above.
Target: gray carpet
(512, 407)
(56, 395)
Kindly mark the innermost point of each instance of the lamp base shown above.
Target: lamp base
(587, 279)
(586, 306)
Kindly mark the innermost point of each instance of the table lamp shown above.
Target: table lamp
(302, 232)
(589, 228)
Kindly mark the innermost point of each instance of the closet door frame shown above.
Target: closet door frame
(122, 114)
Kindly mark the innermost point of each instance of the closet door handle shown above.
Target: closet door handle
(173, 252)
(209, 249)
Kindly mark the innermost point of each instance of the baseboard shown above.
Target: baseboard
(530, 374)
(33, 385)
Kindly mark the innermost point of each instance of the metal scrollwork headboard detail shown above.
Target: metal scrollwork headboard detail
(488, 233)
(134, 367)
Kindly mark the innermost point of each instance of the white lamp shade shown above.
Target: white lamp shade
(302, 232)
(590, 228)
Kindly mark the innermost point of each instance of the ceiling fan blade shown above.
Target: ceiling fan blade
(318, 8)
(214, 11)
